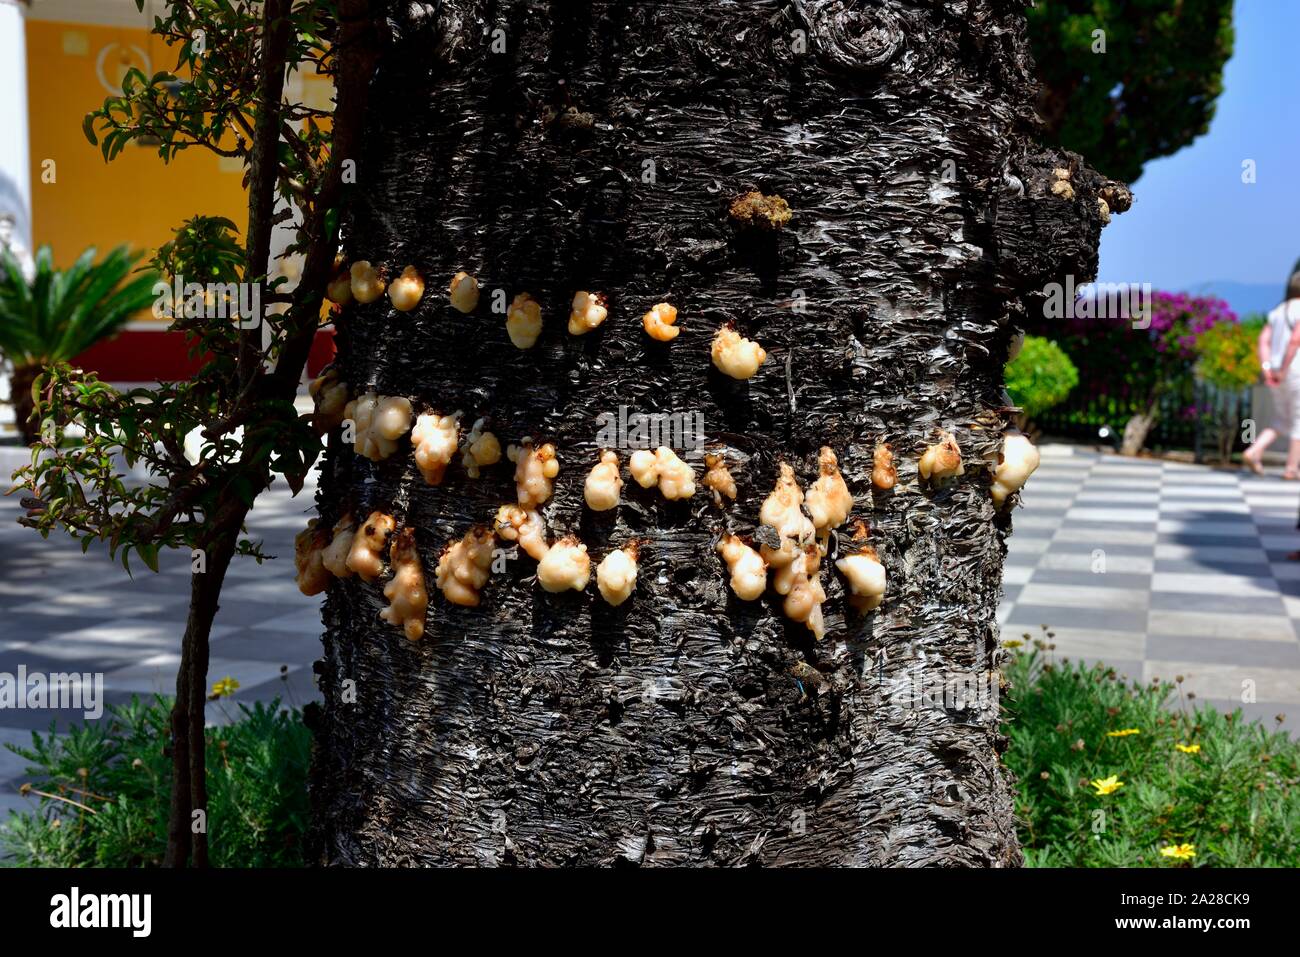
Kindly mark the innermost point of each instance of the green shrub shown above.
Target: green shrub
(1233, 794)
(1227, 356)
(1041, 376)
(117, 771)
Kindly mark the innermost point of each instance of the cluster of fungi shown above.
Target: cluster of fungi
(795, 524)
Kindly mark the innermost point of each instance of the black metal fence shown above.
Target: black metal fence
(1193, 416)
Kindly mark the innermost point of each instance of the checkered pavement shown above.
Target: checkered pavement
(1162, 569)
(62, 611)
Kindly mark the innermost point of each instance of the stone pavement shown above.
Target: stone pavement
(62, 611)
(1163, 569)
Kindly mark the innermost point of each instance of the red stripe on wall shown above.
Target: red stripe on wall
(145, 355)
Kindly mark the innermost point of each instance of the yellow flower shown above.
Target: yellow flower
(1124, 733)
(226, 686)
(1013, 643)
(1188, 748)
(1108, 785)
(1181, 852)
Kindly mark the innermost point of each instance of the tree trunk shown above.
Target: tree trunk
(601, 151)
(187, 840)
(1136, 430)
(20, 395)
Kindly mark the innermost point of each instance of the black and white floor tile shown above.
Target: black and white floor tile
(1163, 569)
(62, 611)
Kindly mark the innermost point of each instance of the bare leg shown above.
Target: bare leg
(1293, 460)
(1253, 455)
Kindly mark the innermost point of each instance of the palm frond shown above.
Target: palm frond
(62, 313)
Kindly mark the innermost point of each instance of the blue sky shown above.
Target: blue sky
(1193, 220)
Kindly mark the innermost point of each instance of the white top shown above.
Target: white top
(1281, 323)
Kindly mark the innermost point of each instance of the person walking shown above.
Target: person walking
(1279, 342)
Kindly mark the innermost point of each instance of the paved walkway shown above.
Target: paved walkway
(61, 611)
(1194, 582)
(1163, 569)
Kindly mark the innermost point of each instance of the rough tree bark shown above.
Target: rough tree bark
(684, 727)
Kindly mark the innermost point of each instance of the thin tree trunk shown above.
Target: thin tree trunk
(1137, 428)
(20, 395)
(264, 164)
(601, 152)
(357, 44)
(189, 764)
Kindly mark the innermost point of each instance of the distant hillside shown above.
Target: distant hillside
(1243, 297)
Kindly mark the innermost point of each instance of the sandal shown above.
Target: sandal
(1253, 463)
(1290, 476)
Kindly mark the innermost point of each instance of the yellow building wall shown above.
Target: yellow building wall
(135, 199)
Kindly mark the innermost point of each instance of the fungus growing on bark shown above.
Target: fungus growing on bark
(525, 526)
(335, 555)
(339, 288)
(308, 552)
(660, 322)
(1117, 196)
(367, 282)
(941, 461)
(1016, 462)
(464, 292)
(781, 512)
(408, 598)
(797, 560)
(565, 565)
(616, 574)
(589, 311)
(1061, 184)
(379, 421)
(481, 449)
(330, 395)
(662, 467)
(535, 471)
(755, 209)
(570, 119)
(883, 473)
(603, 484)
(828, 499)
(524, 321)
(436, 438)
(405, 291)
(718, 478)
(643, 468)
(1103, 208)
(866, 578)
(465, 566)
(736, 356)
(803, 602)
(366, 557)
(747, 568)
